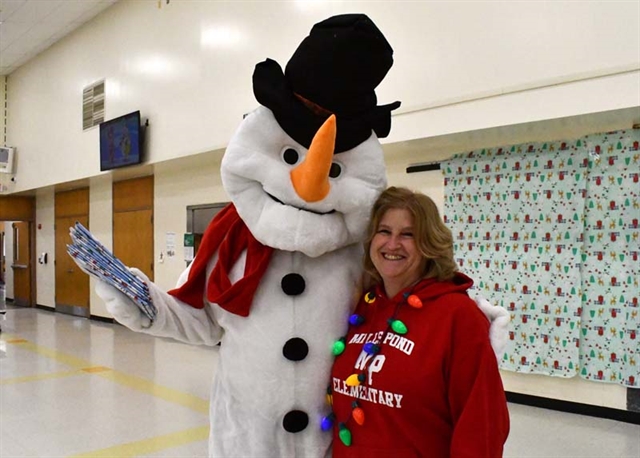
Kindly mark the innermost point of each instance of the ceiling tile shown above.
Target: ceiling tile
(33, 11)
(31, 26)
(8, 7)
(10, 32)
(71, 11)
(9, 57)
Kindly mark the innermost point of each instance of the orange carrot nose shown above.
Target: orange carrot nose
(310, 179)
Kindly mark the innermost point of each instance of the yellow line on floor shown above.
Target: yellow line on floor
(36, 378)
(48, 352)
(148, 446)
(137, 383)
(168, 394)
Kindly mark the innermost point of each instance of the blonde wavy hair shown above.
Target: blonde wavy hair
(432, 237)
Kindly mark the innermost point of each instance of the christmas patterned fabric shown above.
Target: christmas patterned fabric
(550, 232)
(610, 331)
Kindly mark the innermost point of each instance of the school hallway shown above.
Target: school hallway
(73, 387)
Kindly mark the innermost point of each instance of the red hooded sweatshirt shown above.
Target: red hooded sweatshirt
(433, 392)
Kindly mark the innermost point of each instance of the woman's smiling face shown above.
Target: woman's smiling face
(394, 252)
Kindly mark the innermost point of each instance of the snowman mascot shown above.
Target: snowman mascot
(277, 272)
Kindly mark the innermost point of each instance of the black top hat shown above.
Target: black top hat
(334, 70)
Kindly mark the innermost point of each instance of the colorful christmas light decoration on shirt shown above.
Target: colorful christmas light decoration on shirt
(344, 434)
(414, 301)
(398, 326)
(327, 422)
(357, 413)
(339, 346)
(371, 348)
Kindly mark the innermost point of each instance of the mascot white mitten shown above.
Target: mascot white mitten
(118, 305)
(277, 271)
(499, 318)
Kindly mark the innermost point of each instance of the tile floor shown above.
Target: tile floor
(72, 387)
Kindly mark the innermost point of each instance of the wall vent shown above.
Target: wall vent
(92, 105)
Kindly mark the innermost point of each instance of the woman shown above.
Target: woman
(416, 375)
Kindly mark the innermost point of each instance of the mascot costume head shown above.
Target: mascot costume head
(277, 271)
(304, 169)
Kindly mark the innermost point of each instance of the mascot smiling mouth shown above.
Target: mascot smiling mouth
(300, 208)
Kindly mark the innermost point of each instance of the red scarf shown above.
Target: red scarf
(227, 234)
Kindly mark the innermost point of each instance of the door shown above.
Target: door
(21, 264)
(133, 223)
(72, 284)
(133, 239)
(13, 208)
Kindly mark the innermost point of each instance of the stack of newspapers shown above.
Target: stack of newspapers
(94, 259)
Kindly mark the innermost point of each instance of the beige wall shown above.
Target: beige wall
(191, 181)
(6, 185)
(459, 66)
(45, 243)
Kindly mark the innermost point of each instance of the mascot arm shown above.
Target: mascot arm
(498, 331)
(174, 318)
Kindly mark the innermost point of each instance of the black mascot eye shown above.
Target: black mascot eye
(290, 156)
(336, 170)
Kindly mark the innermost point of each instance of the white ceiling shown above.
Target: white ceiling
(28, 27)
